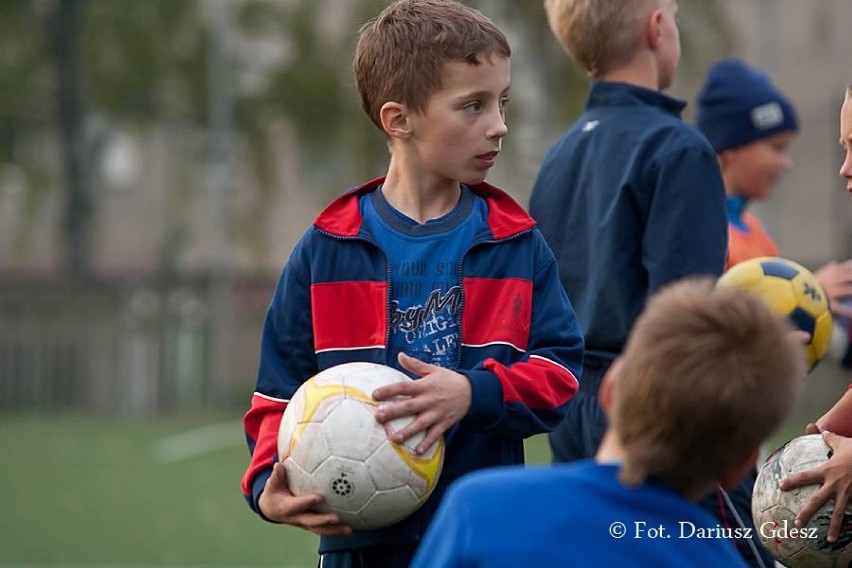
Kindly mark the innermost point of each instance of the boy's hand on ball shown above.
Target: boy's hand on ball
(835, 476)
(278, 504)
(438, 400)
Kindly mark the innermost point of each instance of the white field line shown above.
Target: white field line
(193, 443)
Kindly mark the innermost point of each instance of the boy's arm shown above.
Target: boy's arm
(286, 360)
(838, 418)
(686, 233)
(529, 396)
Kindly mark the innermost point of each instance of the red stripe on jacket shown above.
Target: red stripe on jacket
(538, 383)
(497, 311)
(262, 423)
(349, 315)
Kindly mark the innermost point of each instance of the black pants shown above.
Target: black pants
(376, 556)
(580, 433)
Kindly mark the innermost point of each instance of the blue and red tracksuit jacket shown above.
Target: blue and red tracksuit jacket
(521, 345)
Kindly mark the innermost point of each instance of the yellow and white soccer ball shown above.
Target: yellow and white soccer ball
(330, 443)
(790, 290)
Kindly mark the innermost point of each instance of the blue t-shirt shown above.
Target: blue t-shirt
(425, 263)
(570, 515)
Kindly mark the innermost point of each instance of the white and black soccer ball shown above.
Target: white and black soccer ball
(774, 510)
(331, 444)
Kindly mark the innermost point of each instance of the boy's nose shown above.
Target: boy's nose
(846, 167)
(499, 128)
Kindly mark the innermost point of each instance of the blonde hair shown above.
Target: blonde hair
(706, 376)
(601, 35)
(401, 53)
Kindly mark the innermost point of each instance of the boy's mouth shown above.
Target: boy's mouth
(487, 160)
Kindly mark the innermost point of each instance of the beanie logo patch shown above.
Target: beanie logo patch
(767, 116)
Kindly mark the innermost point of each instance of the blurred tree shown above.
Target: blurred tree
(64, 25)
(25, 112)
(145, 61)
(141, 64)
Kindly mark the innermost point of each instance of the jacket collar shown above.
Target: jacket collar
(606, 93)
(342, 217)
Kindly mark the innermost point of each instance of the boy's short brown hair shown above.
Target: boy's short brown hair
(401, 52)
(706, 376)
(601, 35)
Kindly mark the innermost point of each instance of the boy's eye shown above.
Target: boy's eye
(475, 106)
(504, 102)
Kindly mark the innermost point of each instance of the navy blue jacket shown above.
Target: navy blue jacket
(629, 198)
(521, 346)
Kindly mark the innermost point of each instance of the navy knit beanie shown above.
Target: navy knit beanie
(739, 104)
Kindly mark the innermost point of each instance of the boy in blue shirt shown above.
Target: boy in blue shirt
(428, 269)
(697, 357)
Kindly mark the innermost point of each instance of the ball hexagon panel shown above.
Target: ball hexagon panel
(351, 430)
(385, 505)
(308, 447)
(388, 471)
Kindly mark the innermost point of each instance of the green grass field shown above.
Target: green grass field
(78, 491)
(81, 491)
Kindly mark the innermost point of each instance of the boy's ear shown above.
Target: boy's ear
(394, 117)
(605, 391)
(734, 473)
(654, 29)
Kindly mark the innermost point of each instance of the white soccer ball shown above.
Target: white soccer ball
(330, 443)
(774, 511)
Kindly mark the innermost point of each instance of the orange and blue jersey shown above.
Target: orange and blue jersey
(521, 345)
(747, 237)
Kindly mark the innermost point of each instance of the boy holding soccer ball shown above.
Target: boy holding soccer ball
(428, 269)
(751, 125)
(698, 357)
(835, 475)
